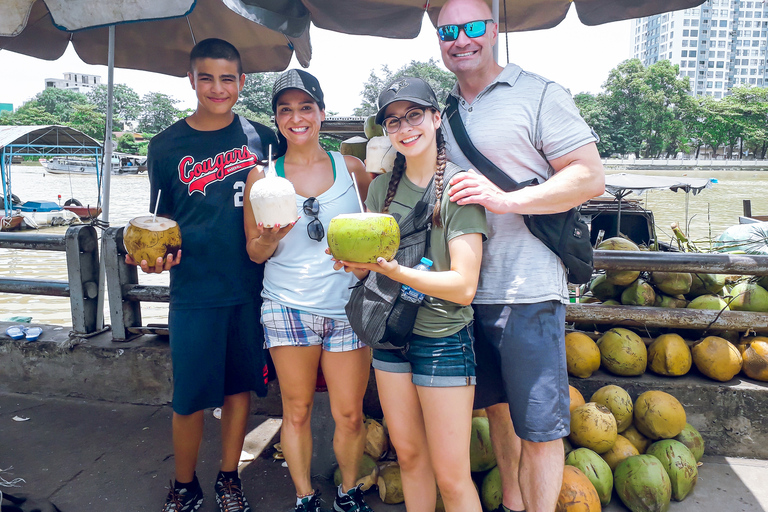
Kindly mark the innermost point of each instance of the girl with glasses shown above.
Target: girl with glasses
(426, 390)
(303, 316)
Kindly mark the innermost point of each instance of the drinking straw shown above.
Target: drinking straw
(357, 192)
(270, 168)
(157, 203)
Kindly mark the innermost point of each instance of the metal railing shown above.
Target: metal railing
(80, 243)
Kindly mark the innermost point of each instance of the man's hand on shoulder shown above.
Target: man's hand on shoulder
(473, 188)
(160, 264)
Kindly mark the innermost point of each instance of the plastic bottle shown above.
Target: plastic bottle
(409, 294)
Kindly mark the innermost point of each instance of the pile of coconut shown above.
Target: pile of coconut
(644, 450)
(623, 352)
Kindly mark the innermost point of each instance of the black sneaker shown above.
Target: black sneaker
(313, 505)
(229, 495)
(352, 501)
(183, 500)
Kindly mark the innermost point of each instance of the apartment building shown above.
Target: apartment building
(78, 82)
(718, 45)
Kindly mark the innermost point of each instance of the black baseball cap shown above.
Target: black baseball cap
(301, 80)
(406, 88)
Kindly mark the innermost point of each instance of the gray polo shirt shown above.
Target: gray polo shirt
(519, 130)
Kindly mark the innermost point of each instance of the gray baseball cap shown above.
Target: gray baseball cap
(301, 80)
(406, 88)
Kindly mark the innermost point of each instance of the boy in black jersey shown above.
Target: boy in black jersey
(198, 167)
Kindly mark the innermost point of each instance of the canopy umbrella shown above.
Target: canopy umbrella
(622, 184)
(151, 35)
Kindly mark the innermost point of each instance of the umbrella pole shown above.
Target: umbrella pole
(686, 212)
(107, 176)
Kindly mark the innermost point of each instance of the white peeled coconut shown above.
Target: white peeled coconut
(273, 200)
(379, 155)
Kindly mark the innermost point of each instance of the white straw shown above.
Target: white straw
(157, 203)
(357, 191)
(270, 167)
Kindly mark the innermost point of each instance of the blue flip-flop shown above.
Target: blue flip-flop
(32, 333)
(15, 332)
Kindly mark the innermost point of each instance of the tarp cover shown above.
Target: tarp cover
(750, 238)
(622, 184)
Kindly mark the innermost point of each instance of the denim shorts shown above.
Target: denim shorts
(434, 362)
(521, 361)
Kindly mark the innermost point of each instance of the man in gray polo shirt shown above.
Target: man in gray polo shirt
(530, 128)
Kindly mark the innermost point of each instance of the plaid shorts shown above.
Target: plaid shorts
(288, 327)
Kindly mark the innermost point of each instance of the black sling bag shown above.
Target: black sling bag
(565, 234)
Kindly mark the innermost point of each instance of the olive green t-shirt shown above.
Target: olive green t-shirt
(436, 318)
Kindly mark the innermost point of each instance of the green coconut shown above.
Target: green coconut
(702, 284)
(363, 237)
(763, 281)
(367, 473)
(749, 297)
(622, 352)
(481, 457)
(596, 469)
(667, 301)
(354, 146)
(709, 301)
(639, 293)
(490, 490)
(603, 290)
(618, 401)
(620, 277)
(679, 463)
(672, 283)
(611, 303)
(642, 484)
(372, 129)
(691, 438)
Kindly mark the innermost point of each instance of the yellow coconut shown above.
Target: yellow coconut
(717, 358)
(577, 493)
(637, 439)
(669, 355)
(618, 401)
(756, 360)
(622, 352)
(659, 415)
(594, 427)
(148, 238)
(576, 398)
(620, 450)
(581, 354)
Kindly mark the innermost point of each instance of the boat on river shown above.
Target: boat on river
(122, 163)
(38, 214)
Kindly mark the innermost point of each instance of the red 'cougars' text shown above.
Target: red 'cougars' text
(198, 175)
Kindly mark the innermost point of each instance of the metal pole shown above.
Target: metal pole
(495, 13)
(106, 168)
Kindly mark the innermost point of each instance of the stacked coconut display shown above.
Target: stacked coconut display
(644, 450)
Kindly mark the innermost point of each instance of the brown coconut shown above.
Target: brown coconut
(717, 358)
(659, 415)
(367, 473)
(149, 238)
(618, 401)
(376, 442)
(637, 439)
(577, 493)
(390, 484)
(756, 360)
(620, 450)
(581, 354)
(669, 355)
(594, 427)
(576, 398)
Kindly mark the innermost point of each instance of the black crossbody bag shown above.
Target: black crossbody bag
(565, 234)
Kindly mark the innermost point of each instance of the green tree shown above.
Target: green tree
(256, 96)
(86, 119)
(60, 102)
(27, 115)
(157, 112)
(596, 115)
(127, 103)
(664, 98)
(440, 80)
(623, 100)
(751, 105)
(126, 143)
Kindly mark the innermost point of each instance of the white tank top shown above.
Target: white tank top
(299, 274)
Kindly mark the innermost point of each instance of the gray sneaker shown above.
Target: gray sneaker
(352, 501)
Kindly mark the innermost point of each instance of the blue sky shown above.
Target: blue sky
(576, 56)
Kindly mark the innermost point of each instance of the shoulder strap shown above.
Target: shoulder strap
(475, 157)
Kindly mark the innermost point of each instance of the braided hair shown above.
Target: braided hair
(399, 169)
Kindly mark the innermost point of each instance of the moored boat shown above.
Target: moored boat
(84, 212)
(46, 213)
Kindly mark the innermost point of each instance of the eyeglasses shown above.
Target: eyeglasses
(472, 29)
(414, 117)
(315, 229)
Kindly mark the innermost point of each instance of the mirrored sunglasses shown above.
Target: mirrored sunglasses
(413, 117)
(315, 229)
(472, 29)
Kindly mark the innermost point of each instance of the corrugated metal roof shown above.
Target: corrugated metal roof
(48, 135)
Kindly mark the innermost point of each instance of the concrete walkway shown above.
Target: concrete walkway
(88, 455)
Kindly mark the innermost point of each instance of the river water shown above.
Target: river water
(709, 214)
